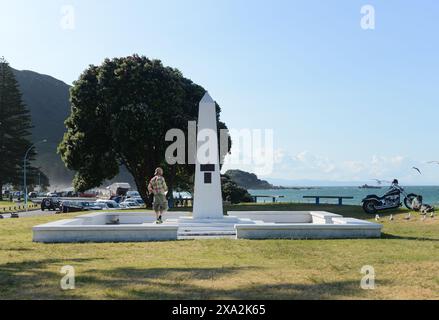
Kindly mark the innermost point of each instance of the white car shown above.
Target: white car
(112, 205)
(130, 204)
(51, 194)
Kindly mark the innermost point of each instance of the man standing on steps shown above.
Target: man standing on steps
(157, 186)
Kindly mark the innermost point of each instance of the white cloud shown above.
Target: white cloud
(321, 167)
(308, 160)
(306, 165)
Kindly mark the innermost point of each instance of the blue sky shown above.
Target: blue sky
(344, 103)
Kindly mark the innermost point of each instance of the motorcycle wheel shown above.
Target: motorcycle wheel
(369, 207)
(409, 200)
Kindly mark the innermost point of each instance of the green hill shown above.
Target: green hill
(48, 101)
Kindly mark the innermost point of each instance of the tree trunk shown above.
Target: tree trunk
(142, 186)
(140, 177)
(170, 184)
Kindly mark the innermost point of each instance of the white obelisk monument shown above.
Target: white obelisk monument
(208, 202)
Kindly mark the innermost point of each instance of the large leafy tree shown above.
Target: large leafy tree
(121, 112)
(15, 125)
(232, 192)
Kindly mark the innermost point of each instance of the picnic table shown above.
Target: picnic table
(317, 198)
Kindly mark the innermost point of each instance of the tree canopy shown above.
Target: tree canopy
(233, 192)
(121, 112)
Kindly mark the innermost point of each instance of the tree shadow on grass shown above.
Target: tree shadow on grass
(395, 237)
(205, 283)
(34, 280)
(40, 280)
(16, 249)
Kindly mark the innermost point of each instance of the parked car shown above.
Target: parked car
(92, 206)
(132, 194)
(32, 195)
(139, 201)
(18, 194)
(71, 206)
(51, 204)
(117, 199)
(111, 204)
(98, 206)
(130, 204)
(51, 194)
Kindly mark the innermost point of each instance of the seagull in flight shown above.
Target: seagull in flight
(433, 162)
(417, 169)
(380, 182)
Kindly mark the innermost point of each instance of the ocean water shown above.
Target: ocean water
(429, 193)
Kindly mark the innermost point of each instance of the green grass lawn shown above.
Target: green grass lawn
(7, 206)
(406, 263)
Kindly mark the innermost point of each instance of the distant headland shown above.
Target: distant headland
(250, 181)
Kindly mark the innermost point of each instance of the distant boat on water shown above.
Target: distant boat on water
(366, 186)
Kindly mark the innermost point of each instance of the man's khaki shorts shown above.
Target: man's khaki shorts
(160, 203)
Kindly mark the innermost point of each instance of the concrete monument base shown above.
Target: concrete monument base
(135, 227)
(105, 227)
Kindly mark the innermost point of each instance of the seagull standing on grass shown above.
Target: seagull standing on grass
(424, 217)
(377, 218)
(409, 216)
(391, 217)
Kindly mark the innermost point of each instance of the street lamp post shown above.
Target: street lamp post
(24, 170)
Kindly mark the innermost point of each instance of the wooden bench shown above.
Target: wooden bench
(317, 198)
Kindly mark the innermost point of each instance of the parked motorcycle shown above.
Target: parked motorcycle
(391, 200)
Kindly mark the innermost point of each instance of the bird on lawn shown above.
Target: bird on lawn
(391, 217)
(409, 216)
(417, 169)
(424, 217)
(377, 218)
(432, 215)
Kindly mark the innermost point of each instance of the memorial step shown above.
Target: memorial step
(194, 232)
(202, 237)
